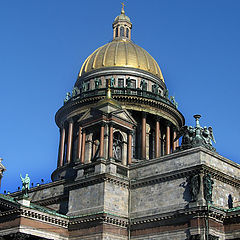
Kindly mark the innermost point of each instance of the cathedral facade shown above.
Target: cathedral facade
(121, 172)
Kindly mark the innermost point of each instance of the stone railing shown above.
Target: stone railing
(123, 91)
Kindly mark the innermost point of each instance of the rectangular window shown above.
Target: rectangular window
(133, 83)
(120, 82)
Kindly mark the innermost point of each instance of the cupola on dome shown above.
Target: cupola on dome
(121, 52)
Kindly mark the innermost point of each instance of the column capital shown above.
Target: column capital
(62, 125)
(174, 128)
(130, 132)
(103, 124)
(169, 124)
(70, 120)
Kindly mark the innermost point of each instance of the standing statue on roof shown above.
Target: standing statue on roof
(67, 98)
(75, 91)
(143, 84)
(25, 185)
(173, 100)
(97, 82)
(112, 81)
(155, 88)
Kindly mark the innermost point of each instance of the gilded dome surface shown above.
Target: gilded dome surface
(121, 53)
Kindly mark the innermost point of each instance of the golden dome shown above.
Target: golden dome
(121, 53)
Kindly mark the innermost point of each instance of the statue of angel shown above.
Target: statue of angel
(143, 84)
(172, 99)
(75, 91)
(187, 134)
(112, 81)
(97, 82)
(207, 134)
(67, 98)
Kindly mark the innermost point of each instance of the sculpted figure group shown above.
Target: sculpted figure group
(196, 136)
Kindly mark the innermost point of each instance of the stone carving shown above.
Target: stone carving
(75, 91)
(68, 97)
(117, 145)
(194, 185)
(166, 93)
(172, 99)
(143, 84)
(25, 185)
(211, 237)
(155, 88)
(198, 237)
(97, 82)
(195, 237)
(230, 201)
(208, 186)
(194, 137)
(18, 236)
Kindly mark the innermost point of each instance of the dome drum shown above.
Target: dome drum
(119, 71)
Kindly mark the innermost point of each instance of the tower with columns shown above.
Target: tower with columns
(121, 173)
(137, 86)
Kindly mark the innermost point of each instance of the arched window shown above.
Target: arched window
(127, 33)
(116, 33)
(121, 31)
(117, 146)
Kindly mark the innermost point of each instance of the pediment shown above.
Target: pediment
(123, 114)
(90, 114)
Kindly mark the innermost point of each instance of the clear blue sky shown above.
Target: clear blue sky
(43, 44)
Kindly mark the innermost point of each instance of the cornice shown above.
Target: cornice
(52, 219)
(40, 187)
(72, 107)
(183, 172)
(101, 217)
(98, 178)
(52, 200)
(190, 213)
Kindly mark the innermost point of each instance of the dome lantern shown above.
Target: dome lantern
(122, 26)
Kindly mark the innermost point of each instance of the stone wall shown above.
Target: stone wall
(159, 198)
(116, 199)
(86, 200)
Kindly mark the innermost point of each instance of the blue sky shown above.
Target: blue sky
(44, 43)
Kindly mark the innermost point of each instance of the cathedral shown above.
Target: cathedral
(128, 167)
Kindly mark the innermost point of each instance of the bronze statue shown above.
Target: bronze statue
(172, 99)
(25, 185)
(143, 84)
(155, 88)
(166, 93)
(67, 98)
(97, 82)
(196, 136)
(112, 82)
(75, 91)
(128, 81)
